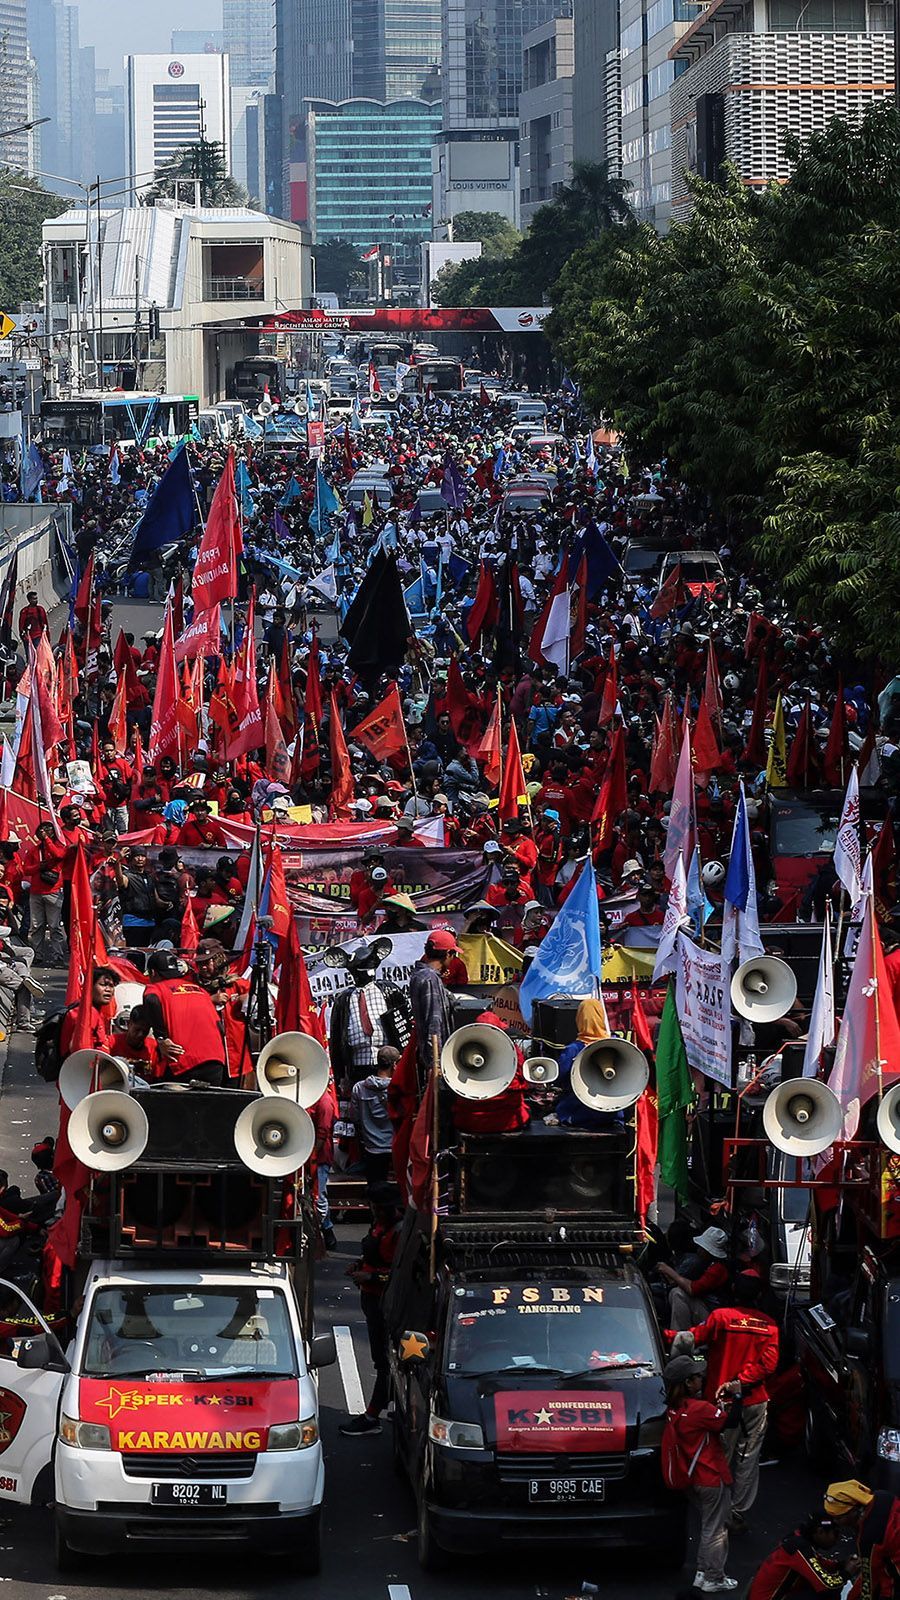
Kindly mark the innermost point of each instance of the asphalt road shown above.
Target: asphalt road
(368, 1539)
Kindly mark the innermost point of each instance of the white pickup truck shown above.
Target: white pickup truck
(183, 1414)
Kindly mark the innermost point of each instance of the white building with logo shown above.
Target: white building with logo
(173, 101)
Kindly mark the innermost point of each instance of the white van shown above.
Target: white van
(183, 1415)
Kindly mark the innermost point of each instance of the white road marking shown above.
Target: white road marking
(353, 1390)
(399, 1591)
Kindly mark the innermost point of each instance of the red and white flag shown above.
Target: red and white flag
(847, 848)
(554, 641)
(867, 1057)
(822, 1025)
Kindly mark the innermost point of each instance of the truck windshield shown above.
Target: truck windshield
(553, 1327)
(190, 1333)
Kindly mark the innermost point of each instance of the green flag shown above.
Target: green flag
(675, 1094)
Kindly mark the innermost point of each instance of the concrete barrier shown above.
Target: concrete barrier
(34, 531)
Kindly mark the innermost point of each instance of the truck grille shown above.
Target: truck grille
(190, 1469)
(519, 1468)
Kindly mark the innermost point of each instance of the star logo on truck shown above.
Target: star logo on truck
(544, 1416)
(119, 1400)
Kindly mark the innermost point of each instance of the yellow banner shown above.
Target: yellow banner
(488, 959)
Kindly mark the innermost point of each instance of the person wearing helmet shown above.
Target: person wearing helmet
(430, 1001)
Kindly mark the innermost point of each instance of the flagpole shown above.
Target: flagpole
(873, 939)
(499, 746)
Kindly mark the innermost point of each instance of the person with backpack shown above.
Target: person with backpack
(694, 1461)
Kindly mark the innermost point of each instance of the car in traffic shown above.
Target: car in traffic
(701, 571)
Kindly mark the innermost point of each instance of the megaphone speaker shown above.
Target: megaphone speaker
(295, 1066)
(802, 1117)
(540, 1069)
(763, 989)
(478, 1061)
(609, 1074)
(108, 1131)
(85, 1071)
(274, 1140)
(888, 1119)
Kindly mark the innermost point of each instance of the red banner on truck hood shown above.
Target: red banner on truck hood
(196, 1417)
(559, 1420)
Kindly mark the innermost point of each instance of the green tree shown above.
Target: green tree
(203, 162)
(338, 267)
(497, 237)
(24, 206)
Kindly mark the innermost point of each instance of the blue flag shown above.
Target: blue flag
(32, 474)
(569, 959)
(326, 504)
(170, 514)
(453, 489)
(291, 493)
(243, 481)
(460, 571)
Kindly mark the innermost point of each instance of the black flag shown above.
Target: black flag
(377, 625)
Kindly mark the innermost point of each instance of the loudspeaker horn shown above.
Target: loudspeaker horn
(540, 1069)
(888, 1119)
(802, 1117)
(478, 1061)
(274, 1140)
(763, 989)
(265, 408)
(610, 1074)
(85, 1072)
(294, 1066)
(108, 1131)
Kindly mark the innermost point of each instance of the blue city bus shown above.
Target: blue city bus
(117, 416)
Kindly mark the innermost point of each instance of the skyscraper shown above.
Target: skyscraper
(171, 102)
(250, 41)
(396, 49)
(66, 91)
(14, 82)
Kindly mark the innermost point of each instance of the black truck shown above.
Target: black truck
(526, 1359)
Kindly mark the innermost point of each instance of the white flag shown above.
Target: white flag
(822, 1027)
(682, 832)
(847, 857)
(676, 918)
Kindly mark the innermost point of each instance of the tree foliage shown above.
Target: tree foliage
(24, 214)
(525, 274)
(338, 267)
(755, 346)
(497, 236)
(203, 162)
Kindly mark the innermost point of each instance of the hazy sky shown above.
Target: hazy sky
(117, 27)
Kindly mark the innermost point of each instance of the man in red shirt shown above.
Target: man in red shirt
(42, 869)
(742, 1353)
(202, 829)
(103, 989)
(693, 1459)
(185, 1023)
(803, 1564)
(33, 621)
(689, 1298)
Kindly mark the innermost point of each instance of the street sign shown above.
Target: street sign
(27, 325)
(32, 364)
(7, 325)
(6, 348)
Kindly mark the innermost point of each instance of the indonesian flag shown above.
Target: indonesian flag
(867, 1058)
(164, 734)
(553, 640)
(383, 732)
(202, 637)
(215, 574)
(371, 254)
(374, 383)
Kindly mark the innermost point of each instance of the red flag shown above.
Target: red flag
(383, 731)
(712, 693)
(189, 938)
(463, 710)
(420, 1145)
(164, 728)
(178, 605)
(287, 710)
(755, 748)
(312, 701)
(402, 1098)
(278, 762)
(579, 618)
(342, 791)
(884, 861)
(279, 908)
(670, 595)
(215, 572)
(123, 661)
(867, 1055)
(640, 1027)
(513, 787)
(118, 724)
(138, 756)
(802, 763)
(83, 598)
(349, 460)
(647, 1131)
(834, 756)
(87, 947)
(295, 1011)
(610, 698)
(483, 396)
(485, 611)
(705, 750)
(612, 801)
(186, 709)
(490, 750)
(249, 733)
(664, 760)
(202, 638)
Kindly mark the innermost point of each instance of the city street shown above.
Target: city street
(368, 1543)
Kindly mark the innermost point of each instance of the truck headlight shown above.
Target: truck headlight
(455, 1435)
(888, 1446)
(294, 1435)
(84, 1435)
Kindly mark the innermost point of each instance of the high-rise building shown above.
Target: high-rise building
(66, 90)
(15, 96)
(367, 176)
(396, 49)
(198, 42)
(648, 32)
(596, 34)
(782, 67)
(313, 55)
(475, 161)
(172, 102)
(249, 34)
(110, 124)
(545, 114)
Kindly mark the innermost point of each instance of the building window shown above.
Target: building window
(632, 38)
(633, 96)
(660, 80)
(817, 16)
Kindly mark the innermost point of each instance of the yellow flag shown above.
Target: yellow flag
(368, 515)
(776, 766)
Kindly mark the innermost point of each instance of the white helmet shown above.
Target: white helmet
(713, 874)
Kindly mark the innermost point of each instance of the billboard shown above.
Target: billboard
(412, 320)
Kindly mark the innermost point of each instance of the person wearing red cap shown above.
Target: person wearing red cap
(429, 999)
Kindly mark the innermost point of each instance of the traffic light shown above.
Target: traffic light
(154, 322)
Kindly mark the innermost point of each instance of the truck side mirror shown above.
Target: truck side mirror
(414, 1346)
(857, 1343)
(42, 1352)
(322, 1351)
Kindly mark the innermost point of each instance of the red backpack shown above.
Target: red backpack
(677, 1465)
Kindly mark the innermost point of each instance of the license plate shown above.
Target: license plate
(563, 1490)
(189, 1494)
